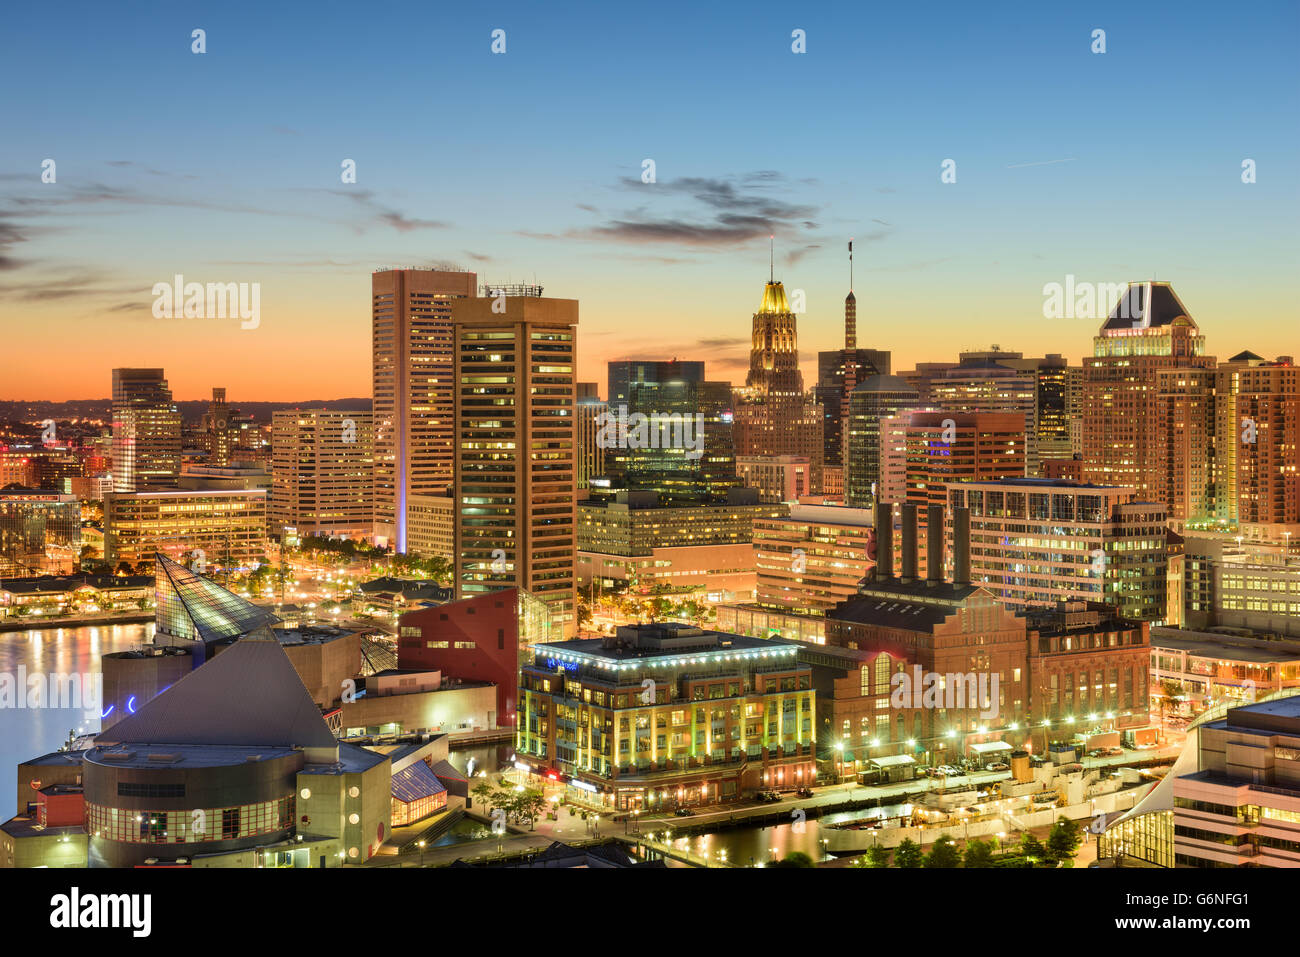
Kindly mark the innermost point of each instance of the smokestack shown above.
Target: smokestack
(934, 543)
(884, 540)
(961, 546)
(909, 542)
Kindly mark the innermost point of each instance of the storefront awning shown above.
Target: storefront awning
(989, 747)
(892, 761)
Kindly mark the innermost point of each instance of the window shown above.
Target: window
(229, 823)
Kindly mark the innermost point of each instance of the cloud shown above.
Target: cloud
(794, 255)
(10, 235)
(718, 212)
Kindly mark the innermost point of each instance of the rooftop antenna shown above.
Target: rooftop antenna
(850, 264)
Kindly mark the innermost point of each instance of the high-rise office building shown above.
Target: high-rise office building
(40, 533)
(685, 451)
(776, 416)
(413, 390)
(835, 370)
(624, 373)
(812, 559)
(1037, 542)
(591, 457)
(146, 431)
(875, 399)
(943, 448)
(980, 384)
(1257, 440)
(1127, 441)
(322, 463)
(1052, 380)
(516, 448)
(224, 528)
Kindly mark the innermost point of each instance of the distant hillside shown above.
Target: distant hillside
(191, 411)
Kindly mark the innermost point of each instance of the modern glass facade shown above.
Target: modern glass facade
(190, 606)
(40, 533)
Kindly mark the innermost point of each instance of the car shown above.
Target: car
(804, 792)
(684, 812)
(999, 766)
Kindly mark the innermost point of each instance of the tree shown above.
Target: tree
(1170, 698)
(943, 853)
(794, 859)
(1063, 841)
(482, 791)
(978, 854)
(907, 854)
(1032, 848)
(876, 856)
(531, 805)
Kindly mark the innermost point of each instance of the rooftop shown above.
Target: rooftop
(664, 640)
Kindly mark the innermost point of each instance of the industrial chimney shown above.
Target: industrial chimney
(934, 543)
(961, 546)
(909, 542)
(884, 540)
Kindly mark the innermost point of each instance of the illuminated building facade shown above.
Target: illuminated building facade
(665, 715)
(516, 449)
(226, 529)
(1147, 411)
(322, 464)
(146, 431)
(412, 358)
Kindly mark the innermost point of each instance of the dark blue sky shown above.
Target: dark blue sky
(225, 166)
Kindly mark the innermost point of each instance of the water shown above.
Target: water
(487, 757)
(746, 845)
(27, 733)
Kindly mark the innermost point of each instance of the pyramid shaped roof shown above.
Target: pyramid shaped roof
(248, 695)
(1148, 305)
(192, 606)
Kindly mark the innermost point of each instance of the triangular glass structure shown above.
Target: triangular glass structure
(195, 608)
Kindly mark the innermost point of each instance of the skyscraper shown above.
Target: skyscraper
(943, 448)
(591, 457)
(877, 397)
(413, 394)
(1257, 440)
(624, 373)
(979, 384)
(776, 416)
(322, 464)
(1126, 439)
(838, 373)
(146, 431)
(515, 456)
(699, 473)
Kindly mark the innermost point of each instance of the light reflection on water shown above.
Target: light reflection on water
(27, 733)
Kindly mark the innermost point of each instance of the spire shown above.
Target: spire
(771, 258)
(850, 311)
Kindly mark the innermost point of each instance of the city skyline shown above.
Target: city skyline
(645, 437)
(667, 268)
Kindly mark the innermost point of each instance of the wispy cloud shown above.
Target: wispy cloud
(1041, 163)
(712, 212)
